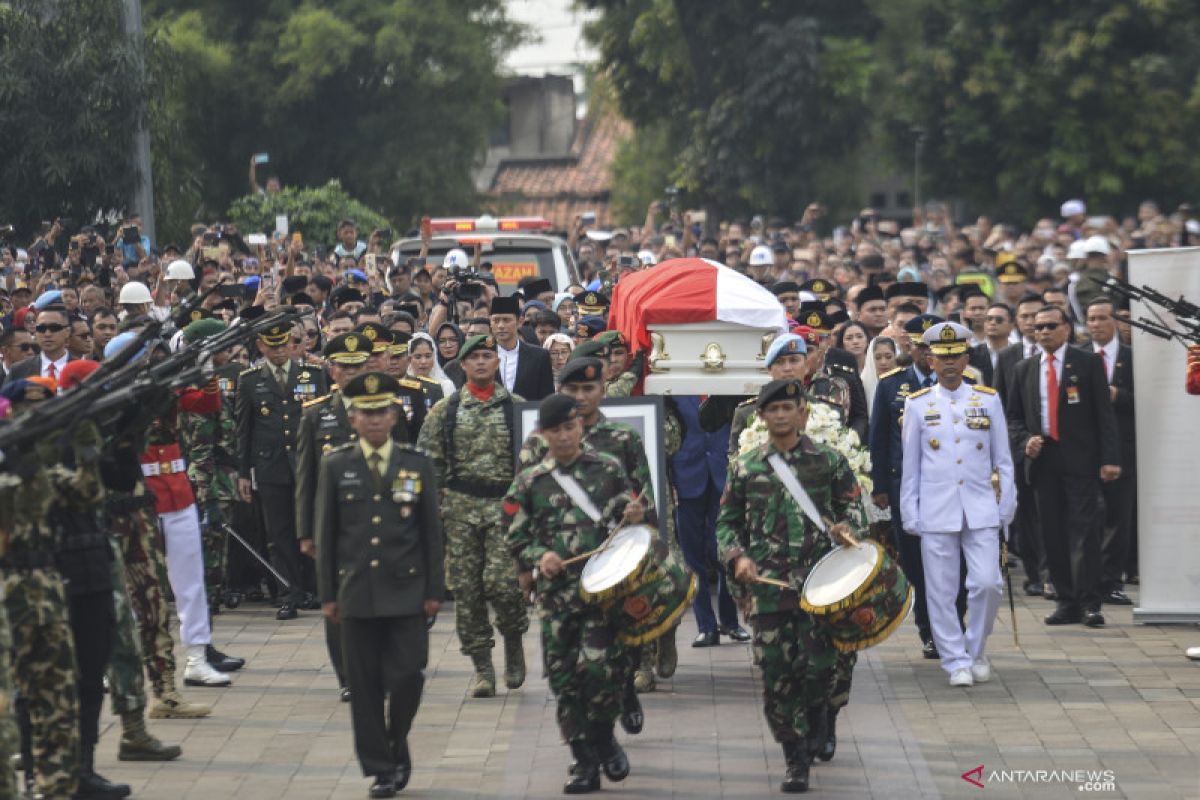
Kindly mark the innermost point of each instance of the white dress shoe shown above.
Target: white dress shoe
(199, 672)
(962, 677)
(981, 671)
(1193, 653)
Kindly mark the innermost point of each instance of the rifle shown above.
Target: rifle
(1186, 314)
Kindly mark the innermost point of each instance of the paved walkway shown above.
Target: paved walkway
(1122, 699)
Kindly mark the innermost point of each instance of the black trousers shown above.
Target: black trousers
(279, 518)
(1028, 532)
(1117, 540)
(93, 626)
(243, 572)
(333, 643)
(383, 658)
(1071, 517)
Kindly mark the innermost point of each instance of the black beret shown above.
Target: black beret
(785, 286)
(557, 409)
(345, 294)
(779, 390)
(581, 370)
(293, 284)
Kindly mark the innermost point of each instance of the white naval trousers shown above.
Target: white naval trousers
(185, 571)
(980, 548)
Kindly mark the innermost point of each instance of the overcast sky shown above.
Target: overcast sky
(561, 45)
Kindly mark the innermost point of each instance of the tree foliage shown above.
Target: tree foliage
(68, 103)
(314, 213)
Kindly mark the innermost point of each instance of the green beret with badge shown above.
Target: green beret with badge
(202, 329)
(480, 341)
(581, 370)
(590, 349)
(776, 391)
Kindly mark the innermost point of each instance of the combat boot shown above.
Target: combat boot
(172, 706)
(608, 750)
(795, 781)
(818, 730)
(667, 657)
(583, 776)
(632, 717)
(199, 672)
(485, 675)
(137, 743)
(93, 786)
(829, 747)
(643, 680)
(514, 662)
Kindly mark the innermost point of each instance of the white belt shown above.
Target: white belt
(164, 467)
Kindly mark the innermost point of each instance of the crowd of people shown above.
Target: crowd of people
(358, 460)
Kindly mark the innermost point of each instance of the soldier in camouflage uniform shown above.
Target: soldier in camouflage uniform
(43, 652)
(469, 435)
(210, 440)
(762, 531)
(584, 662)
(10, 744)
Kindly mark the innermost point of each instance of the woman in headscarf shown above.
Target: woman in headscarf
(559, 346)
(447, 339)
(423, 363)
(880, 360)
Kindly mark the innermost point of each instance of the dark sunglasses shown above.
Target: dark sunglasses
(50, 328)
(311, 334)
(25, 347)
(1046, 326)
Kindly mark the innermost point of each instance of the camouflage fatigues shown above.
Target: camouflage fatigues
(759, 519)
(621, 386)
(585, 664)
(10, 740)
(43, 652)
(126, 682)
(479, 568)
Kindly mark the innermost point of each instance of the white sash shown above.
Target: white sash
(576, 493)
(792, 484)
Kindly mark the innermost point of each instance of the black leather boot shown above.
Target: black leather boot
(93, 786)
(612, 756)
(584, 775)
(818, 730)
(632, 716)
(829, 747)
(795, 781)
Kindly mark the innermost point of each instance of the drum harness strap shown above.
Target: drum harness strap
(792, 484)
(571, 486)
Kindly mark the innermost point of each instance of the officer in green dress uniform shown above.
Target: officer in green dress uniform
(380, 573)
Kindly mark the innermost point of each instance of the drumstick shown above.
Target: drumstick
(584, 556)
(772, 582)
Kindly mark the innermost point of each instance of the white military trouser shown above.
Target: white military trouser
(185, 571)
(980, 547)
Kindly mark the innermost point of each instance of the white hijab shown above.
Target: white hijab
(437, 373)
(870, 375)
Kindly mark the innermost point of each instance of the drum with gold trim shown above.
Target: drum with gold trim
(860, 594)
(617, 569)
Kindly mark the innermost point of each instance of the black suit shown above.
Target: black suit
(535, 377)
(1026, 533)
(845, 365)
(981, 359)
(1119, 527)
(1066, 475)
(29, 368)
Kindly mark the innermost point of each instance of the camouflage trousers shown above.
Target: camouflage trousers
(145, 576)
(586, 666)
(481, 570)
(215, 546)
(44, 666)
(843, 673)
(10, 739)
(797, 661)
(126, 682)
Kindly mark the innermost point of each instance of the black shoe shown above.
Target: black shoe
(1117, 598)
(583, 776)
(710, 639)
(344, 694)
(384, 785)
(737, 633)
(929, 650)
(221, 662)
(403, 771)
(1133, 580)
(1048, 591)
(1093, 619)
(288, 611)
(255, 596)
(795, 781)
(1033, 588)
(632, 716)
(612, 756)
(1064, 616)
(232, 599)
(829, 746)
(310, 602)
(97, 787)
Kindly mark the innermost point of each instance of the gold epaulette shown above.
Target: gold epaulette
(409, 383)
(748, 402)
(920, 392)
(979, 387)
(315, 400)
(891, 372)
(427, 380)
(247, 371)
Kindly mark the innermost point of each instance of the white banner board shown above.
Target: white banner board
(1168, 446)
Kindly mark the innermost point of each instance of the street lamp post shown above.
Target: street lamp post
(143, 191)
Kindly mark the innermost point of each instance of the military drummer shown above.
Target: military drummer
(380, 573)
(762, 531)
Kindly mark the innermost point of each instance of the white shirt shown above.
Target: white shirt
(1110, 351)
(1029, 348)
(58, 365)
(1059, 355)
(508, 364)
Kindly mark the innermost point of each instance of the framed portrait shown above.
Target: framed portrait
(644, 414)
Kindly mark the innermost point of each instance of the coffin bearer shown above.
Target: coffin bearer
(955, 438)
(763, 531)
(379, 569)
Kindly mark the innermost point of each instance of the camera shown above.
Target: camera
(671, 196)
(467, 286)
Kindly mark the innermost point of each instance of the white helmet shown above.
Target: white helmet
(1097, 244)
(134, 293)
(180, 270)
(761, 256)
(1078, 249)
(456, 258)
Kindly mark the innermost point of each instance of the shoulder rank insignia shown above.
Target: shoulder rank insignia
(979, 387)
(409, 383)
(920, 392)
(316, 400)
(247, 371)
(891, 372)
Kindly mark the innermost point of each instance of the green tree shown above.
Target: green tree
(757, 95)
(1023, 103)
(314, 213)
(68, 103)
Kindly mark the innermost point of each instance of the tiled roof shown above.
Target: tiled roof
(561, 188)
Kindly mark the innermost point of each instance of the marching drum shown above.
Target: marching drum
(647, 594)
(860, 593)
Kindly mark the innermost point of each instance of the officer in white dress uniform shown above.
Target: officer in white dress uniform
(955, 438)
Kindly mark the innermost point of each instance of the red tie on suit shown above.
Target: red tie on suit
(52, 371)
(1052, 395)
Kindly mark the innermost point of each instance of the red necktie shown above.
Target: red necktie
(1052, 395)
(52, 371)
(1104, 359)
